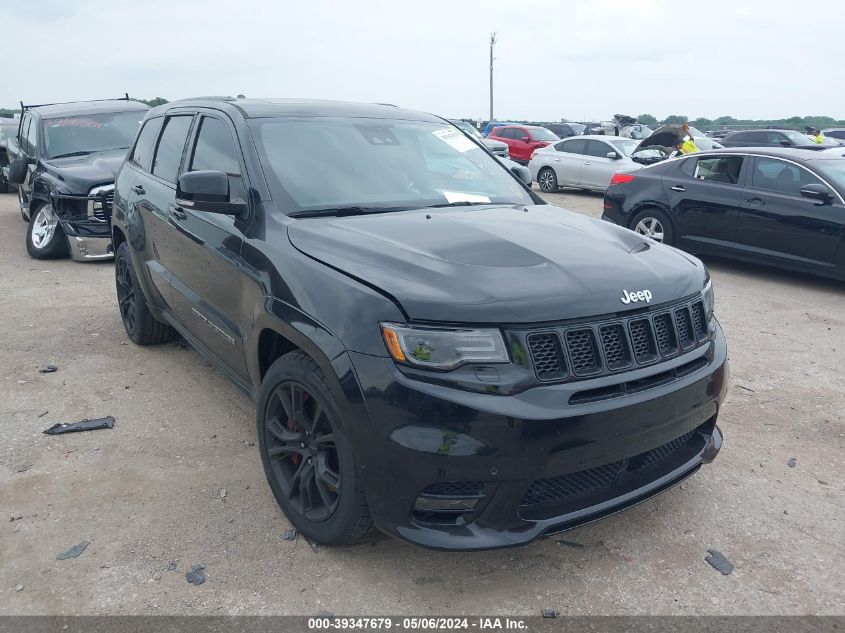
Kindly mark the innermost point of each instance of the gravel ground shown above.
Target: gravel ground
(178, 481)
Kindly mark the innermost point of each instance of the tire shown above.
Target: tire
(547, 180)
(45, 238)
(654, 224)
(141, 326)
(312, 472)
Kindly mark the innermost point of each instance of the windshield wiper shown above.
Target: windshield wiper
(461, 203)
(69, 154)
(343, 211)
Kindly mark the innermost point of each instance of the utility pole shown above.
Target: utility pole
(492, 44)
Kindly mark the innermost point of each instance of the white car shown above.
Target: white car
(585, 162)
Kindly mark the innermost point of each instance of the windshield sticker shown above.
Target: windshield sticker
(459, 196)
(73, 122)
(455, 139)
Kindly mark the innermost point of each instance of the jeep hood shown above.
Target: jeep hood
(504, 264)
(80, 173)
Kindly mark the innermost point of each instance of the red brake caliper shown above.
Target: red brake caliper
(293, 427)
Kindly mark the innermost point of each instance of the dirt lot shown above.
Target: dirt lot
(148, 494)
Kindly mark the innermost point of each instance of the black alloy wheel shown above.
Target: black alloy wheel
(126, 298)
(302, 451)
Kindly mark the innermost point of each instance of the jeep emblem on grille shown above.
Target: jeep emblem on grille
(635, 297)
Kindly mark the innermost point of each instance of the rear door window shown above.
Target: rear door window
(215, 150)
(577, 146)
(780, 176)
(724, 169)
(168, 155)
(142, 155)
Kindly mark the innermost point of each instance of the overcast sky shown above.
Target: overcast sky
(581, 60)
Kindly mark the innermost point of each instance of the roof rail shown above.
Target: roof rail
(24, 107)
(207, 98)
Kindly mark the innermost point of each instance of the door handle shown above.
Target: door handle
(677, 188)
(587, 163)
(177, 212)
(139, 190)
(756, 201)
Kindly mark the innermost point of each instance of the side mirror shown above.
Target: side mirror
(17, 171)
(613, 155)
(785, 144)
(816, 191)
(526, 139)
(207, 191)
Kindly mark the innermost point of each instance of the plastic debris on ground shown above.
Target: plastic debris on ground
(719, 562)
(85, 425)
(73, 552)
(196, 575)
(49, 369)
(289, 534)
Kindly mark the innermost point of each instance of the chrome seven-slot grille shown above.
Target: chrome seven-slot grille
(585, 350)
(98, 210)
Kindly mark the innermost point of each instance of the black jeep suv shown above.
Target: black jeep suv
(433, 349)
(63, 160)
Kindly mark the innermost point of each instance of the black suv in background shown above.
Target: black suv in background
(63, 159)
(8, 129)
(433, 349)
(769, 138)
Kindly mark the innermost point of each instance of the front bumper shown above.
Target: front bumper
(539, 465)
(88, 249)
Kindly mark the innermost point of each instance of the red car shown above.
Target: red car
(522, 140)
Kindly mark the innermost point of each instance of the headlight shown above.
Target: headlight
(708, 297)
(444, 349)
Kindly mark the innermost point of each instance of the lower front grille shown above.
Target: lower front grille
(592, 481)
(454, 489)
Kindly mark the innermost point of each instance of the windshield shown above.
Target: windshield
(577, 128)
(326, 163)
(627, 147)
(696, 132)
(89, 133)
(796, 137)
(833, 169)
(542, 134)
(468, 128)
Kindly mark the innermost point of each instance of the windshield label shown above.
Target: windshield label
(455, 139)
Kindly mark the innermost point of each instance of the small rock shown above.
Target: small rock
(23, 468)
(172, 566)
(49, 369)
(196, 575)
(792, 462)
(684, 486)
(222, 494)
(823, 482)
(719, 562)
(18, 588)
(73, 552)
(289, 534)
(549, 613)
(157, 576)
(15, 517)
(22, 382)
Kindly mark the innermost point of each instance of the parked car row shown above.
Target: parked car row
(434, 350)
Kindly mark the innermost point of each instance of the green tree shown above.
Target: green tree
(153, 102)
(701, 122)
(675, 119)
(647, 119)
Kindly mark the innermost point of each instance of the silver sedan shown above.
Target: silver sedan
(585, 162)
